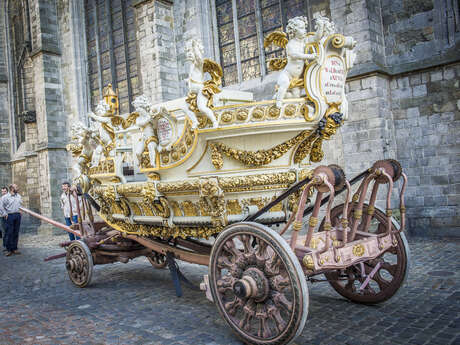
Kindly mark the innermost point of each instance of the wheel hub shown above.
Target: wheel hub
(253, 284)
(75, 264)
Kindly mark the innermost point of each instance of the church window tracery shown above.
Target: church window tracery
(112, 56)
(241, 28)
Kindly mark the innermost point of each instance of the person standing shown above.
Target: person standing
(9, 209)
(3, 221)
(69, 207)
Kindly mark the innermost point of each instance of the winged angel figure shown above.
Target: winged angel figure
(201, 91)
(290, 80)
(103, 123)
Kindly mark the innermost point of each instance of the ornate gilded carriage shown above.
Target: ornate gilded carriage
(221, 167)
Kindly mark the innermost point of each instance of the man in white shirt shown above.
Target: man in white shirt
(9, 209)
(69, 207)
(3, 220)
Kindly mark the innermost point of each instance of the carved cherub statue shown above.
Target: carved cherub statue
(201, 91)
(105, 131)
(82, 147)
(291, 76)
(144, 121)
(324, 27)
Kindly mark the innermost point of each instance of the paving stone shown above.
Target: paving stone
(135, 304)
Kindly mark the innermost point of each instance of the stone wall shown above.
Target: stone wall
(427, 120)
(156, 47)
(420, 33)
(5, 136)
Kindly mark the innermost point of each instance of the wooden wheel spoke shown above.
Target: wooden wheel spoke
(223, 262)
(246, 240)
(279, 282)
(261, 247)
(281, 301)
(232, 306)
(382, 283)
(392, 269)
(230, 247)
(249, 311)
(225, 284)
(275, 315)
(264, 330)
(272, 265)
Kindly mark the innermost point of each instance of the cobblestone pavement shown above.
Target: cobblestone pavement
(135, 304)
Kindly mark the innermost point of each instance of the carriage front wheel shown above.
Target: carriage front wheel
(258, 284)
(79, 263)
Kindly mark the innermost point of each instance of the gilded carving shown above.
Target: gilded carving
(290, 110)
(161, 207)
(257, 180)
(226, 117)
(261, 157)
(358, 250)
(129, 189)
(242, 115)
(313, 144)
(179, 186)
(212, 195)
(258, 113)
(317, 154)
(216, 157)
(147, 211)
(136, 209)
(176, 209)
(273, 112)
(234, 207)
(190, 209)
(148, 191)
(204, 209)
(106, 166)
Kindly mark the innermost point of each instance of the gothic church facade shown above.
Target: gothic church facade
(56, 56)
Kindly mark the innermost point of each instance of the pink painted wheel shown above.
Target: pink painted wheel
(258, 284)
(390, 276)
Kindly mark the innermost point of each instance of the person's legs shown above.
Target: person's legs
(9, 233)
(15, 233)
(68, 222)
(75, 221)
(4, 232)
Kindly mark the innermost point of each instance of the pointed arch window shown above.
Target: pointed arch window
(111, 45)
(241, 28)
(20, 38)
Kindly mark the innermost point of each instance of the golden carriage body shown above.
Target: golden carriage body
(213, 193)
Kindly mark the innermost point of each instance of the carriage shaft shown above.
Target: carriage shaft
(180, 254)
(51, 221)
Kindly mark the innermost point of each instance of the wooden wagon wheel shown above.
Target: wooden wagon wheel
(157, 260)
(258, 284)
(394, 265)
(79, 263)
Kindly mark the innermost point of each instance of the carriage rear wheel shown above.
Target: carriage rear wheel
(79, 263)
(157, 260)
(390, 276)
(258, 284)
